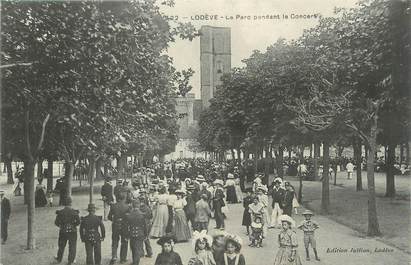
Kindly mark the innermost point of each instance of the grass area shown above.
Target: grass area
(349, 207)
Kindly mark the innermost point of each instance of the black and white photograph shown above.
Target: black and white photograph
(218, 132)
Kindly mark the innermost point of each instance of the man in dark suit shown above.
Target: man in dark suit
(277, 193)
(5, 215)
(107, 196)
(89, 234)
(288, 199)
(137, 231)
(67, 220)
(117, 216)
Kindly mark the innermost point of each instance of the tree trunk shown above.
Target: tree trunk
(407, 153)
(311, 150)
(99, 164)
(91, 175)
(40, 170)
(29, 190)
(232, 154)
(26, 184)
(50, 175)
(239, 155)
(7, 163)
(358, 162)
(367, 150)
(390, 174)
(401, 154)
(316, 156)
(69, 176)
(280, 169)
(373, 226)
(325, 197)
(289, 155)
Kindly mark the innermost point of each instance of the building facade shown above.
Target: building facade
(215, 59)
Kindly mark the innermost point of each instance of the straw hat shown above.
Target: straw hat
(288, 219)
(166, 239)
(278, 180)
(230, 176)
(218, 182)
(308, 212)
(180, 192)
(200, 178)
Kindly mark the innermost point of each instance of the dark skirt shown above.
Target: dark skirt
(246, 218)
(40, 199)
(231, 195)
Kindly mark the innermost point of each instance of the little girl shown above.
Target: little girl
(256, 236)
(232, 255)
(287, 239)
(202, 248)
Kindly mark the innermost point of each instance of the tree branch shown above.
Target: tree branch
(43, 132)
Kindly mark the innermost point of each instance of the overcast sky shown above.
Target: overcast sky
(246, 35)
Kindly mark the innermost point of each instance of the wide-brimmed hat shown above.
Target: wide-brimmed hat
(308, 212)
(179, 191)
(202, 236)
(257, 180)
(166, 239)
(200, 178)
(262, 188)
(230, 176)
(238, 242)
(288, 219)
(91, 207)
(187, 180)
(218, 182)
(278, 180)
(190, 187)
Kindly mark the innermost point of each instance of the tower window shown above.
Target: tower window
(219, 67)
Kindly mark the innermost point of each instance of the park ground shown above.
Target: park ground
(343, 229)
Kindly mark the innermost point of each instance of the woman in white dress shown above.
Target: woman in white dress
(161, 216)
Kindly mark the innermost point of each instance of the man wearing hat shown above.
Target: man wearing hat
(107, 195)
(137, 231)
(309, 226)
(148, 217)
(277, 193)
(67, 220)
(218, 203)
(5, 215)
(118, 188)
(89, 234)
(117, 216)
(288, 199)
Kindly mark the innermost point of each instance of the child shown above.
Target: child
(202, 248)
(256, 208)
(246, 214)
(309, 227)
(287, 239)
(202, 213)
(232, 255)
(256, 237)
(167, 255)
(50, 198)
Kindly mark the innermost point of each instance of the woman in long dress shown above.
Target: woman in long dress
(230, 186)
(182, 230)
(238, 191)
(161, 216)
(287, 239)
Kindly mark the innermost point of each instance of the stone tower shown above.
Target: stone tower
(215, 57)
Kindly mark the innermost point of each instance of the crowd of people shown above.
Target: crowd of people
(178, 207)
